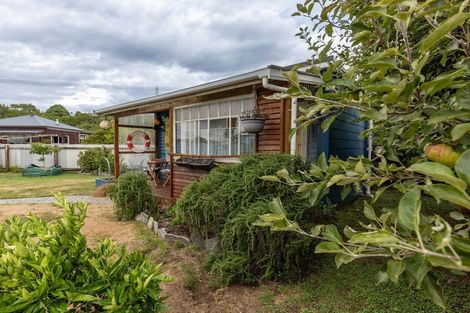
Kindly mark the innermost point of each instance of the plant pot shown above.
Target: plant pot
(252, 125)
(103, 181)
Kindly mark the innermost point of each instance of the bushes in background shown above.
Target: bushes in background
(229, 200)
(132, 194)
(47, 267)
(91, 160)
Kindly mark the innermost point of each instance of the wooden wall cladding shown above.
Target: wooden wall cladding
(182, 176)
(270, 139)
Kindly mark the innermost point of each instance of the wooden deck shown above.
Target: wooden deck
(162, 192)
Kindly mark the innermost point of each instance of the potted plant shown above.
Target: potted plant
(252, 121)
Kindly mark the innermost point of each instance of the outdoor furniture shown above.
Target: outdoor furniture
(159, 170)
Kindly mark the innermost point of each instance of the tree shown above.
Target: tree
(56, 111)
(405, 66)
(43, 150)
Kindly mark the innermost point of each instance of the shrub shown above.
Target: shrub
(228, 201)
(47, 267)
(132, 194)
(91, 160)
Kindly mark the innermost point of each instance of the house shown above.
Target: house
(203, 122)
(33, 128)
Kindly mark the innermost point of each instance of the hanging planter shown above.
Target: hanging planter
(252, 121)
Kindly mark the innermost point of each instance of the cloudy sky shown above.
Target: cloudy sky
(88, 54)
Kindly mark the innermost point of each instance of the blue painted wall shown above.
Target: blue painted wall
(161, 151)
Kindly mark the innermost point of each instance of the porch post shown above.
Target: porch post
(117, 170)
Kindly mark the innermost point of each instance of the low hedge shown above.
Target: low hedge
(229, 200)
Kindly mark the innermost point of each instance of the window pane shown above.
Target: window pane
(186, 138)
(219, 136)
(224, 109)
(203, 137)
(204, 111)
(186, 114)
(178, 115)
(236, 107)
(247, 143)
(234, 136)
(194, 113)
(248, 104)
(214, 110)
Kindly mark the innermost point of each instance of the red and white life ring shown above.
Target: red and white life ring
(131, 137)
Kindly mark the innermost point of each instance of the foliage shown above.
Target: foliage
(43, 150)
(226, 202)
(404, 66)
(94, 160)
(132, 194)
(86, 121)
(46, 267)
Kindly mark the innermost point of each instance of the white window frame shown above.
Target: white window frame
(208, 119)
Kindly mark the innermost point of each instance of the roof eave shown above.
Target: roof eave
(272, 72)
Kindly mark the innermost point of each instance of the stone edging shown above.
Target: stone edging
(209, 245)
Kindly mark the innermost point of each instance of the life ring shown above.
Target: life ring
(142, 134)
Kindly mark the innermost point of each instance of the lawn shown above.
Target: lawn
(13, 185)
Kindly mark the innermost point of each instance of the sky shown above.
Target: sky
(90, 54)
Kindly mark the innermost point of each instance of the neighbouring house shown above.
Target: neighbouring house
(32, 128)
(203, 122)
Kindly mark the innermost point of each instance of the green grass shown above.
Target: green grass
(13, 185)
(352, 288)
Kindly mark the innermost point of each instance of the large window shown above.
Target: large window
(213, 128)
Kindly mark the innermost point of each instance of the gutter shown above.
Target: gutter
(293, 116)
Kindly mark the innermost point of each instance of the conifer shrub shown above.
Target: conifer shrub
(131, 195)
(228, 202)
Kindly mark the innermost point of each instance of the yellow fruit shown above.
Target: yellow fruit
(442, 153)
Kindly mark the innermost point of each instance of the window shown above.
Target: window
(213, 128)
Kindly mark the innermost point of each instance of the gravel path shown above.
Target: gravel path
(88, 199)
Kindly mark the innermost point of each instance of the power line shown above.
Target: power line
(71, 84)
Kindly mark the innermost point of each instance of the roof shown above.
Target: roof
(34, 121)
(273, 72)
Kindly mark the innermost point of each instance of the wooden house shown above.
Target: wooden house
(203, 122)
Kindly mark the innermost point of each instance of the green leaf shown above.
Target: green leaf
(448, 193)
(327, 123)
(328, 247)
(460, 130)
(277, 207)
(461, 244)
(433, 291)
(270, 178)
(381, 277)
(81, 297)
(329, 30)
(462, 167)
(394, 269)
(369, 211)
(438, 172)
(442, 30)
(409, 208)
(442, 116)
(341, 259)
(321, 162)
(330, 232)
(417, 267)
(462, 97)
(375, 237)
(457, 216)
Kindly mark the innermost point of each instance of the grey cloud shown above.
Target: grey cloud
(172, 43)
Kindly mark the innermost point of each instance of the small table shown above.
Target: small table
(157, 167)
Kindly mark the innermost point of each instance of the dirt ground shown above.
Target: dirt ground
(102, 223)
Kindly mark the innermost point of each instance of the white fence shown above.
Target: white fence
(15, 155)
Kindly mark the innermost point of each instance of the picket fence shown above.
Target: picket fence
(18, 155)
